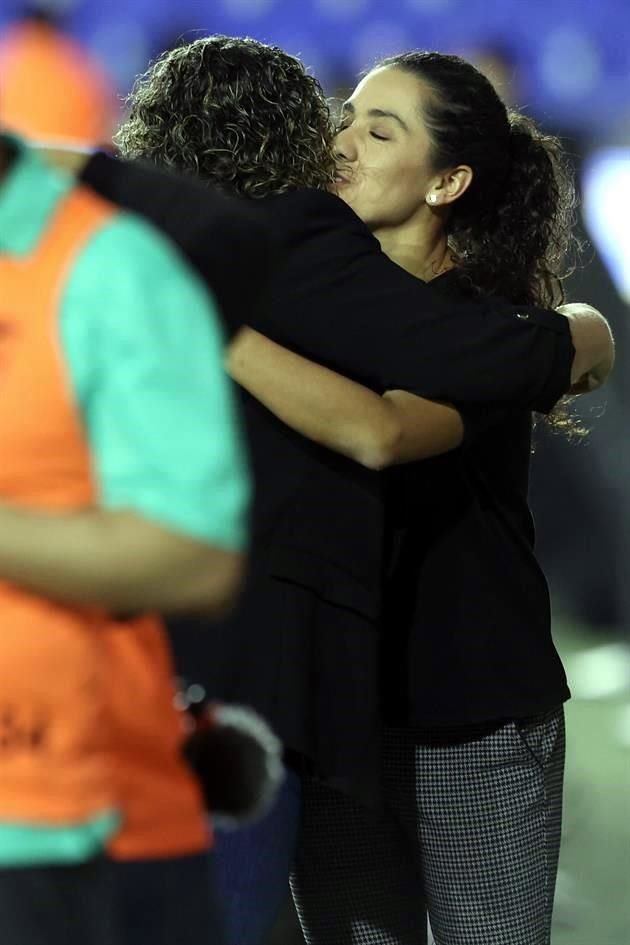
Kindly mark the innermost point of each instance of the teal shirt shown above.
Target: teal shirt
(143, 349)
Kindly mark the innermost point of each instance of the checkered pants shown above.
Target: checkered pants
(469, 830)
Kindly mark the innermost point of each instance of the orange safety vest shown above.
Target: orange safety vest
(87, 714)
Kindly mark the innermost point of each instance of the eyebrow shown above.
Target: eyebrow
(348, 108)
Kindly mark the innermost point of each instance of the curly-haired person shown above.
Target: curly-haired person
(268, 132)
(305, 646)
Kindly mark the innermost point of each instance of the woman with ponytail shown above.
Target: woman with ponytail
(475, 199)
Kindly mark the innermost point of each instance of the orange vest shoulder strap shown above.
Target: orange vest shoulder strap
(78, 216)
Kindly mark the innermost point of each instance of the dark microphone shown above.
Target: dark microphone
(235, 755)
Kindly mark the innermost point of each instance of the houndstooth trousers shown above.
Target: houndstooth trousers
(469, 830)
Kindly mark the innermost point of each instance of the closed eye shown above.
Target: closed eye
(343, 126)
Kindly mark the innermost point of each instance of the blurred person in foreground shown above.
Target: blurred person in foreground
(50, 88)
(123, 493)
(304, 645)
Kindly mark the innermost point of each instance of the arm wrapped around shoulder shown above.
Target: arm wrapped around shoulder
(237, 759)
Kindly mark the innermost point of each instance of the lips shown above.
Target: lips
(341, 177)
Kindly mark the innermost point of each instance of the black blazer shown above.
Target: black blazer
(319, 522)
(232, 249)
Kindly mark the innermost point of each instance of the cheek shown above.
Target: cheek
(398, 192)
(408, 183)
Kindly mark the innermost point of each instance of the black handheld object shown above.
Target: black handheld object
(235, 755)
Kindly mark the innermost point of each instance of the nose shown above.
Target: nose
(345, 146)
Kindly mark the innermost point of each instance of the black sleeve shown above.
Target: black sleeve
(496, 355)
(230, 247)
(480, 420)
(341, 301)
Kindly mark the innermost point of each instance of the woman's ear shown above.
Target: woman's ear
(451, 185)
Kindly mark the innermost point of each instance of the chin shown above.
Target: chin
(343, 193)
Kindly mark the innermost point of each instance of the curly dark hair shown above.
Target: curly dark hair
(512, 232)
(241, 114)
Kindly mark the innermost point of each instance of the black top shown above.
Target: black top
(338, 299)
(219, 234)
(320, 522)
(467, 629)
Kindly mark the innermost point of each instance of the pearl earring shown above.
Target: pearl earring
(432, 198)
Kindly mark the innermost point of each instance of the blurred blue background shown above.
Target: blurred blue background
(573, 56)
(567, 63)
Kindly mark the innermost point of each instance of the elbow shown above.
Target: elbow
(226, 587)
(380, 451)
(375, 459)
(214, 587)
(207, 587)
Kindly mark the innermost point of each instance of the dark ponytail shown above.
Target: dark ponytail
(511, 233)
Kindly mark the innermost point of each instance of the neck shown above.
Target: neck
(422, 252)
